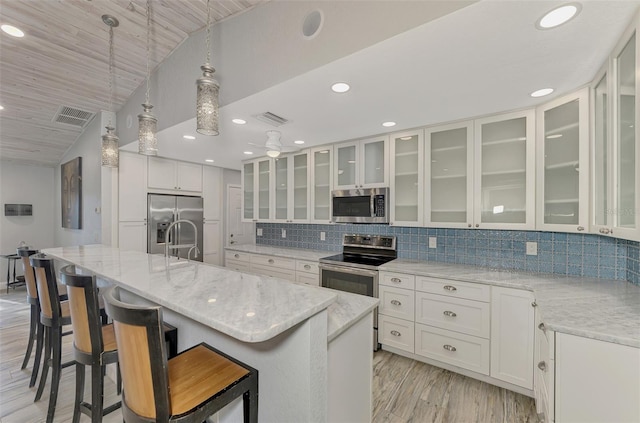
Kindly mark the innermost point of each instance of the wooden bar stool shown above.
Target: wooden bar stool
(36, 330)
(54, 314)
(93, 344)
(190, 387)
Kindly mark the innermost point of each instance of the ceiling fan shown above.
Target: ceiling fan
(274, 146)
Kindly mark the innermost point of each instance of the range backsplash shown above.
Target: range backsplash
(563, 253)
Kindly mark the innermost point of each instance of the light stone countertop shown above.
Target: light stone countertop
(604, 309)
(250, 308)
(295, 253)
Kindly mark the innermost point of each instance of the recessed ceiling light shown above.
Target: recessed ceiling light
(1, 107)
(239, 121)
(550, 137)
(298, 142)
(209, 160)
(542, 92)
(340, 87)
(388, 124)
(12, 30)
(558, 16)
(188, 137)
(248, 152)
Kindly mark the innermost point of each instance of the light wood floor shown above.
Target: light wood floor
(404, 390)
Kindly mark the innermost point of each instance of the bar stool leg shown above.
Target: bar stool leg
(32, 334)
(79, 392)
(57, 368)
(250, 405)
(97, 392)
(38, 358)
(46, 362)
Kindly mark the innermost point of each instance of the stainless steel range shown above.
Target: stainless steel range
(356, 269)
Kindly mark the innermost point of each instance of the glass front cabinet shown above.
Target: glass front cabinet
(361, 164)
(257, 198)
(320, 184)
(449, 176)
(563, 164)
(291, 188)
(407, 178)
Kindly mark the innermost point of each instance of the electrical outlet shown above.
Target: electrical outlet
(433, 242)
(259, 232)
(323, 236)
(532, 248)
(284, 233)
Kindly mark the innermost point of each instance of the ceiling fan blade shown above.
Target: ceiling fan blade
(289, 149)
(256, 145)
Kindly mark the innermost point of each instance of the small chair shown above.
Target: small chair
(93, 344)
(194, 385)
(36, 330)
(54, 314)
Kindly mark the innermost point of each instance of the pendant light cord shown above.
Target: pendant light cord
(208, 33)
(111, 66)
(148, 53)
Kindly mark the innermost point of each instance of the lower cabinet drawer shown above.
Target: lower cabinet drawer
(240, 266)
(276, 273)
(468, 352)
(307, 266)
(308, 278)
(276, 262)
(457, 314)
(395, 332)
(237, 256)
(396, 302)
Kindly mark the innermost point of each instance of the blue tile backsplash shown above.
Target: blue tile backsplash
(563, 253)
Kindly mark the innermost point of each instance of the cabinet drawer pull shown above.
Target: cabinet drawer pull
(396, 303)
(270, 261)
(542, 366)
(534, 304)
(449, 348)
(236, 255)
(396, 280)
(395, 333)
(541, 327)
(307, 267)
(581, 228)
(449, 313)
(450, 288)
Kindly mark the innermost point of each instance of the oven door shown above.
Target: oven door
(355, 281)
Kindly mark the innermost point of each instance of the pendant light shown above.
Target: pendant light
(207, 92)
(110, 139)
(147, 140)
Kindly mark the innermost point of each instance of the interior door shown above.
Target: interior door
(238, 232)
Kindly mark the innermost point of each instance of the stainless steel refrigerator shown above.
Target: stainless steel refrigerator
(166, 209)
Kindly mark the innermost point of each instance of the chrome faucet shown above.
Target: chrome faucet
(191, 247)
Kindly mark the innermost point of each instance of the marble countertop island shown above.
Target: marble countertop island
(608, 310)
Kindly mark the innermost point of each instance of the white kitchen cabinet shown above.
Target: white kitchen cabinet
(361, 164)
(397, 333)
(308, 272)
(174, 175)
(449, 175)
(291, 188)
(237, 261)
(596, 381)
(407, 178)
(212, 242)
(132, 188)
(602, 150)
(277, 267)
(512, 336)
(563, 164)
(257, 183)
(544, 370)
(396, 302)
(504, 171)
(132, 236)
(212, 193)
(320, 184)
(455, 314)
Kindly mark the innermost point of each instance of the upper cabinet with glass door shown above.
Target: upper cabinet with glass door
(449, 175)
(361, 164)
(602, 149)
(407, 178)
(256, 181)
(291, 188)
(563, 164)
(320, 184)
(504, 191)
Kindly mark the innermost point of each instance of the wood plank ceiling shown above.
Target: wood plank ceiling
(63, 61)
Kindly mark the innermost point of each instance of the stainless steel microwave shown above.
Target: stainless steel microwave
(364, 205)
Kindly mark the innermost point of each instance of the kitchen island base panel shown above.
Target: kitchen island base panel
(292, 366)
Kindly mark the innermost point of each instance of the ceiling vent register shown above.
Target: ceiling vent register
(271, 119)
(72, 116)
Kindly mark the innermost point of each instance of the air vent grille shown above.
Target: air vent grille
(72, 116)
(272, 119)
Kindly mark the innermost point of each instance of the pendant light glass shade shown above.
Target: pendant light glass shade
(147, 140)
(207, 107)
(110, 148)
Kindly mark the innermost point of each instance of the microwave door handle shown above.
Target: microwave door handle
(373, 206)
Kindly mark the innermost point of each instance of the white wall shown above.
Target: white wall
(25, 184)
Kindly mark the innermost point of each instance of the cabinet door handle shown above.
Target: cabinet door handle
(270, 261)
(534, 304)
(236, 255)
(396, 280)
(477, 225)
(604, 231)
(307, 267)
(541, 327)
(450, 288)
(395, 333)
(581, 228)
(396, 303)
(542, 366)
(449, 347)
(449, 313)
(469, 225)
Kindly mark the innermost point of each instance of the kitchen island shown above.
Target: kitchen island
(280, 328)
